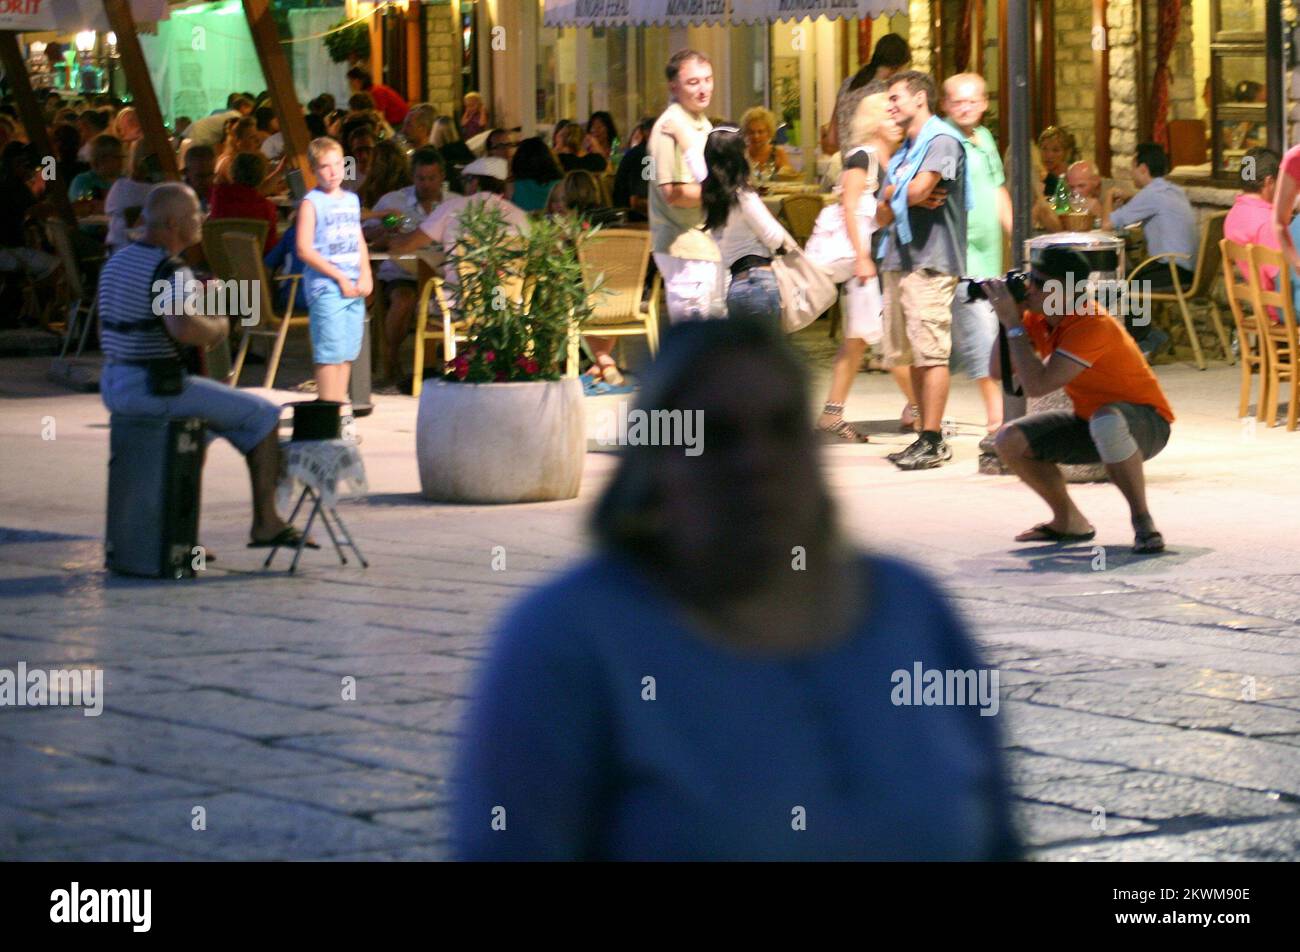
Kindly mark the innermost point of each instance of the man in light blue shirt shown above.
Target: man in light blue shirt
(1163, 211)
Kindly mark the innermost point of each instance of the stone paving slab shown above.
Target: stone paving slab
(1122, 678)
(1268, 841)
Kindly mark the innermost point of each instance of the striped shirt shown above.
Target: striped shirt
(130, 329)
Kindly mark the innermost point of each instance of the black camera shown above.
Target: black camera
(1017, 283)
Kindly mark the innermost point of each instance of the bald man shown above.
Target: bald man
(141, 328)
(1081, 177)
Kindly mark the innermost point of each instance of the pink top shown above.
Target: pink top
(1291, 163)
(1250, 222)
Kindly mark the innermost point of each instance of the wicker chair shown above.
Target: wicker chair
(243, 254)
(619, 258)
(799, 214)
(215, 251)
(445, 326)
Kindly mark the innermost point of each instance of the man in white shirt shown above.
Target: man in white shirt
(211, 130)
(485, 183)
(397, 279)
(686, 256)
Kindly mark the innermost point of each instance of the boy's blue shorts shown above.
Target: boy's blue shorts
(336, 323)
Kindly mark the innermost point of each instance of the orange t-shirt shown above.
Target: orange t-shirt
(1114, 369)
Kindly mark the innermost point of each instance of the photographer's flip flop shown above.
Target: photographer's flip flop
(1148, 543)
(1045, 533)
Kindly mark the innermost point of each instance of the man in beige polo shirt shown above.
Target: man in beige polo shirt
(685, 254)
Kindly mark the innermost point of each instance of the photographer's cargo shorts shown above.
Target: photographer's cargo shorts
(918, 317)
(1061, 436)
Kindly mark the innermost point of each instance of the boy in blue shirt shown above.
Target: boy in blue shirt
(336, 271)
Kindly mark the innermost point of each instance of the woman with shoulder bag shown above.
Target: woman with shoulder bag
(841, 244)
(747, 234)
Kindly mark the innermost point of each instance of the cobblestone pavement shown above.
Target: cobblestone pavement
(1151, 707)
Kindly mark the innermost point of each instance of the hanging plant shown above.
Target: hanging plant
(352, 42)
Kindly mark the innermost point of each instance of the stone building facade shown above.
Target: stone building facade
(442, 57)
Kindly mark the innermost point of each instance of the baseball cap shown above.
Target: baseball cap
(489, 166)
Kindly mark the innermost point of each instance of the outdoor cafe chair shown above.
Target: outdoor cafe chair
(446, 326)
(81, 305)
(215, 251)
(244, 255)
(1239, 278)
(1199, 296)
(1280, 341)
(799, 214)
(617, 258)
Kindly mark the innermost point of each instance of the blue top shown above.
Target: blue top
(733, 748)
(531, 195)
(1167, 220)
(337, 238)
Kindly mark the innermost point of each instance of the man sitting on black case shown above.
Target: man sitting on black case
(141, 330)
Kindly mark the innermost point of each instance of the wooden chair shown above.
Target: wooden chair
(799, 214)
(1280, 341)
(215, 251)
(1239, 277)
(1200, 294)
(618, 259)
(81, 297)
(450, 329)
(243, 254)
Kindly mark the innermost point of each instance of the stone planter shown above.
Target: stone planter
(500, 442)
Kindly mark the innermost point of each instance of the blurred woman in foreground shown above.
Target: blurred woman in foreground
(745, 705)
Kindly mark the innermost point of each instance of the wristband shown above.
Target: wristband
(1014, 332)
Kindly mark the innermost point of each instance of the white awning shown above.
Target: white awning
(696, 12)
(72, 16)
(770, 11)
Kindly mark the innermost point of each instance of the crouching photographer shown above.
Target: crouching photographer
(1121, 417)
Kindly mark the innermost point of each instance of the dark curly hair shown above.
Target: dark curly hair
(534, 161)
(724, 154)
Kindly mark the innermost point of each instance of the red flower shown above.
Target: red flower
(528, 365)
(501, 376)
(489, 355)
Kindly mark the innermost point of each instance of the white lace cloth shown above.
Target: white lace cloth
(332, 468)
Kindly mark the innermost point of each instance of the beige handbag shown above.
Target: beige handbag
(807, 290)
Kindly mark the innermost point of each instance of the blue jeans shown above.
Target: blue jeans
(241, 417)
(755, 296)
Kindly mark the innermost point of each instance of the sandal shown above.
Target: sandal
(288, 537)
(1045, 533)
(609, 372)
(841, 431)
(1148, 542)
